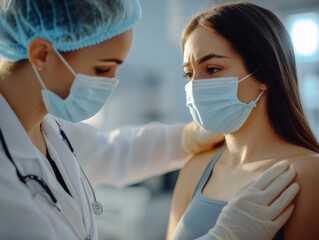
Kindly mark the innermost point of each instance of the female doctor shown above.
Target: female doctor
(61, 58)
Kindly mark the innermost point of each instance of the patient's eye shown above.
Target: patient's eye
(210, 70)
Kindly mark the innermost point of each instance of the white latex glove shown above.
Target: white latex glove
(196, 139)
(260, 209)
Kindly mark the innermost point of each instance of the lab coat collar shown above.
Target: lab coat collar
(16, 138)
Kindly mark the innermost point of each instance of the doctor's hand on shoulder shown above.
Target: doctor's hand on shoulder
(196, 139)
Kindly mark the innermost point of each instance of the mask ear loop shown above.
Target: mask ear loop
(244, 78)
(62, 59)
(65, 62)
(259, 96)
(249, 75)
(38, 76)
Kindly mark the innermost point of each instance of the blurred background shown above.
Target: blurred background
(152, 89)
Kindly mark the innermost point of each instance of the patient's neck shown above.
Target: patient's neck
(255, 140)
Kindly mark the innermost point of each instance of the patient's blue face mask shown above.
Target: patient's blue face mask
(214, 105)
(87, 95)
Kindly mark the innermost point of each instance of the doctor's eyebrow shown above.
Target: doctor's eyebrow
(205, 58)
(117, 61)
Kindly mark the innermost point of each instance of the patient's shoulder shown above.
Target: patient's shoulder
(307, 168)
(303, 223)
(306, 160)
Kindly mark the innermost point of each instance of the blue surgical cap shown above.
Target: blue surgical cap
(68, 24)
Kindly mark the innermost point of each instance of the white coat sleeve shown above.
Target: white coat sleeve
(20, 216)
(127, 155)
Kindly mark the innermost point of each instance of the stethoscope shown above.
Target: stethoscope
(96, 206)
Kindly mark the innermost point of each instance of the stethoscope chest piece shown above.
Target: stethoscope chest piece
(97, 208)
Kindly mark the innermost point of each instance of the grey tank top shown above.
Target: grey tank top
(202, 212)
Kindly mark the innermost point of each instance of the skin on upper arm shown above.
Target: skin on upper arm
(304, 223)
(186, 183)
(179, 204)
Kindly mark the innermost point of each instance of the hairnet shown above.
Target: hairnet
(67, 24)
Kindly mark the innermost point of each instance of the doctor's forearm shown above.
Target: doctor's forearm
(130, 154)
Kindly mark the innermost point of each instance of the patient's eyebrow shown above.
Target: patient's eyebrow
(209, 56)
(205, 58)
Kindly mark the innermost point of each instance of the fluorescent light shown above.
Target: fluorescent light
(304, 32)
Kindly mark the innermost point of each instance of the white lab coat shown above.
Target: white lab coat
(119, 157)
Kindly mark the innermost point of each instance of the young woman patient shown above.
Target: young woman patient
(239, 63)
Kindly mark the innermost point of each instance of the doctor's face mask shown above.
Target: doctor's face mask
(87, 95)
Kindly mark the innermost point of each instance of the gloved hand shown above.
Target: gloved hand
(260, 209)
(196, 139)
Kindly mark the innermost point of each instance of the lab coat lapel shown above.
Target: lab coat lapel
(56, 158)
(59, 153)
(67, 160)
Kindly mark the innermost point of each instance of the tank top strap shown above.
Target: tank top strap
(207, 172)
